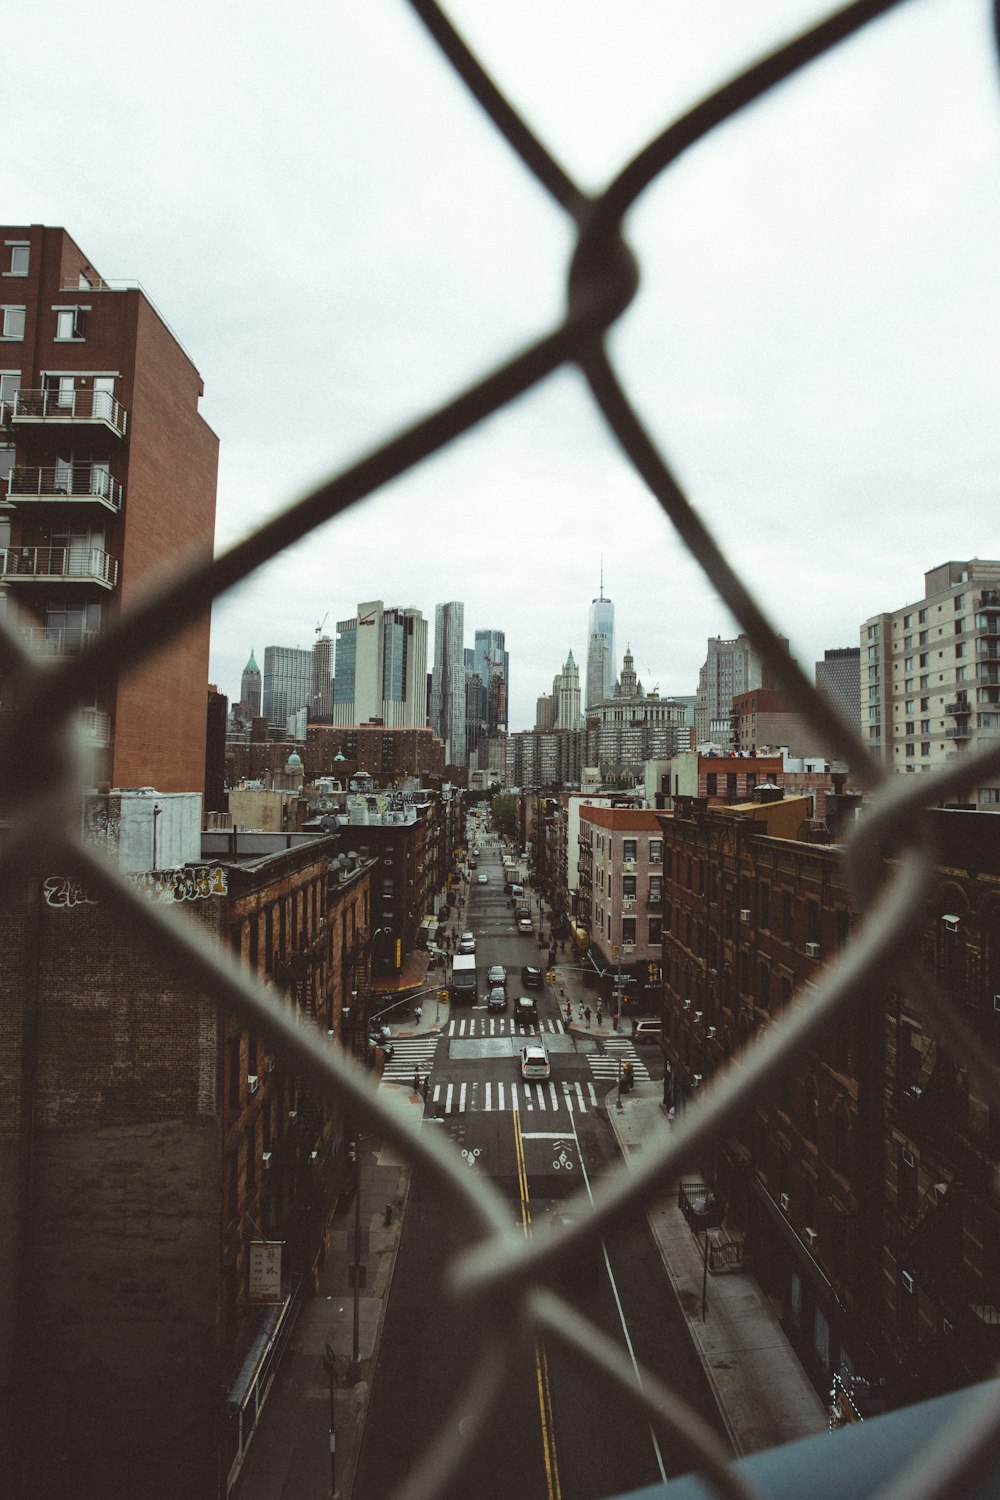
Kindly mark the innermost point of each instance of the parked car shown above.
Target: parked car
(497, 975)
(534, 1061)
(524, 924)
(484, 880)
(525, 1011)
(517, 890)
(467, 942)
(532, 978)
(497, 999)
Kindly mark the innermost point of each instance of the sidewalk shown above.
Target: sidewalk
(764, 1396)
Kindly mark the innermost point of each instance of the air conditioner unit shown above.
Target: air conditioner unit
(266, 1159)
(744, 913)
(313, 1155)
(996, 1003)
(698, 1014)
(810, 1236)
(696, 1081)
(784, 1200)
(950, 922)
(253, 1082)
(293, 1114)
(687, 1004)
(711, 1031)
(812, 949)
(269, 1064)
(909, 1285)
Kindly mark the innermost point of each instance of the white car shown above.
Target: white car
(534, 1061)
(484, 879)
(467, 943)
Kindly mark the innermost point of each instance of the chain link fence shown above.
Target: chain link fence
(501, 1274)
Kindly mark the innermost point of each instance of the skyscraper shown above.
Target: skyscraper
(250, 690)
(566, 691)
(839, 676)
(380, 669)
(490, 661)
(448, 693)
(321, 706)
(600, 648)
(731, 667)
(287, 684)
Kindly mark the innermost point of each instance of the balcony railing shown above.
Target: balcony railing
(960, 732)
(959, 706)
(46, 640)
(60, 564)
(66, 482)
(57, 407)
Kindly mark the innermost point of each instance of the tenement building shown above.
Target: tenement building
(859, 1188)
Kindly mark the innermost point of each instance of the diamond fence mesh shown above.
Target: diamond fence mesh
(501, 1272)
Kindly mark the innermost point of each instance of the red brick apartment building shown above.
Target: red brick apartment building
(860, 1188)
(146, 1141)
(621, 889)
(106, 470)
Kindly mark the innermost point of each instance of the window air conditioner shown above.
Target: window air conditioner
(950, 922)
(784, 1200)
(744, 913)
(812, 949)
(810, 1236)
(696, 1081)
(253, 1082)
(269, 1064)
(698, 1015)
(266, 1159)
(711, 1031)
(909, 1284)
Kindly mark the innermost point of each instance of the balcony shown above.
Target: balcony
(65, 483)
(959, 706)
(960, 732)
(59, 565)
(60, 408)
(48, 641)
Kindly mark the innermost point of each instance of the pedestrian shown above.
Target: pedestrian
(569, 1012)
(418, 1011)
(600, 1013)
(586, 1015)
(426, 1086)
(416, 1081)
(614, 1021)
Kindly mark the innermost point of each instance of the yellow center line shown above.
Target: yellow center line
(545, 1413)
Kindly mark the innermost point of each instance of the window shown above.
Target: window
(655, 931)
(923, 658)
(907, 642)
(71, 323)
(959, 601)
(655, 851)
(925, 747)
(907, 621)
(20, 252)
(925, 704)
(923, 638)
(655, 888)
(909, 727)
(13, 322)
(628, 848)
(628, 885)
(908, 752)
(959, 650)
(925, 726)
(628, 930)
(712, 783)
(922, 617)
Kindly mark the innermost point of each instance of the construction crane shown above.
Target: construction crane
(322, 622)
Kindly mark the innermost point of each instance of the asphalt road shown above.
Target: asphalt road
(556, 1431)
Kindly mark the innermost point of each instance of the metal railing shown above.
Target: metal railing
(65, 482)
(60, 405)
(500, 1270)
(80, 564)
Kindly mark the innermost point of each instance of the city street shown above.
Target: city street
(539, 1141)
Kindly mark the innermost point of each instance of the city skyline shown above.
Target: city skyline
(796, 269)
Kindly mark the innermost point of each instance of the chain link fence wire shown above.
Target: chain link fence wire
(501, 1276)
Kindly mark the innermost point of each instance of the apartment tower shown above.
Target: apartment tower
(106, 469)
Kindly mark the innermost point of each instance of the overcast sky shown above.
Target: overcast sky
(340, 241)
